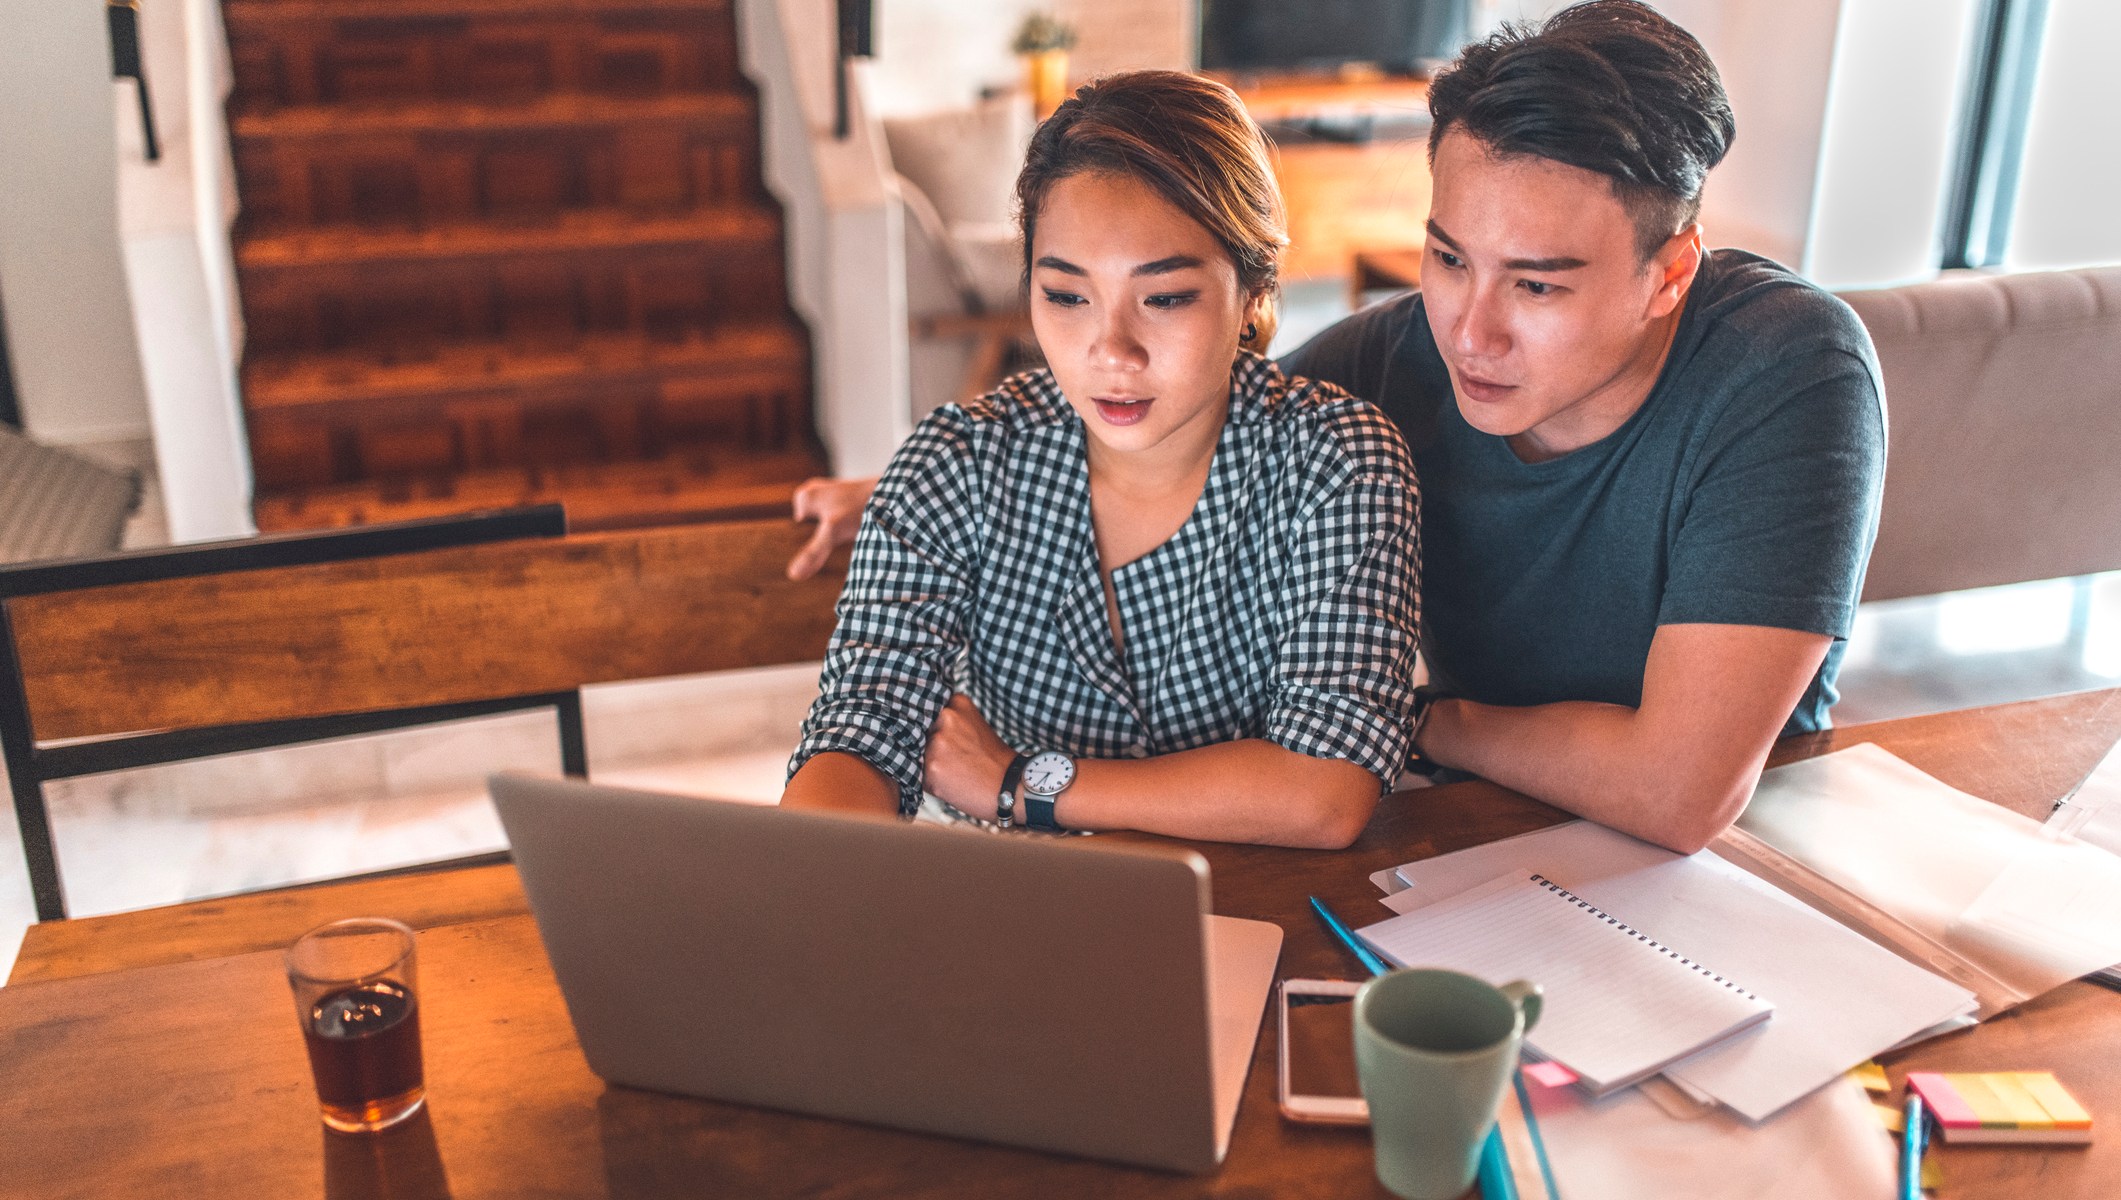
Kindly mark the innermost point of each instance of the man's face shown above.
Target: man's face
(1552, 326)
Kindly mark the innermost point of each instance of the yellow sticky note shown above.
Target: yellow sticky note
(2026, 1112)
(1872, 1077)
(1892, 1118)
(2061, 1107)
(1988, 1108)
(1932, 1173)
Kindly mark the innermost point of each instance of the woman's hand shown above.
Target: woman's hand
(966, 761)
(836, 506)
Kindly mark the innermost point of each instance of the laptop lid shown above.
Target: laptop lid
(1010, 989)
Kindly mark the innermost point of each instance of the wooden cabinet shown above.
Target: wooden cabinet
(1344, 197)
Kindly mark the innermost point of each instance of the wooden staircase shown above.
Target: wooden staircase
(509, 251)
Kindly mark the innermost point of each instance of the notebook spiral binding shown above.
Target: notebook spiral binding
(1637, 934)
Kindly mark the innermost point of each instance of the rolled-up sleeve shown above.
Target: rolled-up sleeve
(902, 614)
(1344, 663)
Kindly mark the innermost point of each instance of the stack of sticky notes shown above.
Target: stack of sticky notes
(2002, 1106)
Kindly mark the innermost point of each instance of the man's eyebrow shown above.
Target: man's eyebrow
(1561, 263)
(1059, 264)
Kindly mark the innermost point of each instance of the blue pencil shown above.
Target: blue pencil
(1912, 1136)
(1368, 957)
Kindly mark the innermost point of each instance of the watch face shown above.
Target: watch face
(1048, 773)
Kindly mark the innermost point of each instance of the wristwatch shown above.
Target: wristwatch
(1046, 776)
(1005, 802)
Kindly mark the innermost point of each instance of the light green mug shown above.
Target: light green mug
(1434, 1049)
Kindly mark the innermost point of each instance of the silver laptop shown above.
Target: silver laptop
(1064, 995)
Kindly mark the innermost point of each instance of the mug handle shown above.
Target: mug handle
(1528, 997)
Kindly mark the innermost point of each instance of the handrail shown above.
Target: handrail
(854, 37)
(126, 63)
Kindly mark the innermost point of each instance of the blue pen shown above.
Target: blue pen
(1913, 1135)
(1370, 959)
(1539, 1144)
(1493, 1177)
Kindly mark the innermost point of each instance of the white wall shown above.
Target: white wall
(846, 246)
(69, 319)
(2069, 196)
(939, 54)
(174, 217)
(1897, 90)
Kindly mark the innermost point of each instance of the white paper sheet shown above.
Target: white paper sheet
(2030, 906)
(2093, 814)
(1839, 998)
(1827, 1146)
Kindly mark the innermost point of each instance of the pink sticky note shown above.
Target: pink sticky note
(1943, 1099)
(1549, 1074)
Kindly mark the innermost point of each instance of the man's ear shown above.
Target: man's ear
(1674, 266)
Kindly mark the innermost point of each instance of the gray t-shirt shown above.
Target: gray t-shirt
(1743, 492)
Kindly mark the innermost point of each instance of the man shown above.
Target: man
(1650, 473)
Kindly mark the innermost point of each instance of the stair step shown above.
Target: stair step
(352, 381)
(569, 233)
(294, 11)
(441, 163)
(695, 485)
(472, 407)
(297, 53)
(560, 110)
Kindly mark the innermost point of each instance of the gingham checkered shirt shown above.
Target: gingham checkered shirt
(1284, 608)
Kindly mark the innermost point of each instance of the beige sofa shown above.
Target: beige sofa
(2004, 444)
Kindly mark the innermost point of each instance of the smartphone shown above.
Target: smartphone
(1318, 1083)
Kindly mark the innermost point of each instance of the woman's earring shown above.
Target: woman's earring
(1251, 331)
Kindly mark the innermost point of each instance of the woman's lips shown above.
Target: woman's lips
(1123, 411)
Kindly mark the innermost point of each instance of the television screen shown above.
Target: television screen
(1413, 36)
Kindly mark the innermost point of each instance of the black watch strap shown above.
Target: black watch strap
(1005, 801)
(1038, 812)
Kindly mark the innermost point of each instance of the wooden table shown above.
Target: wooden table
(157, 1053)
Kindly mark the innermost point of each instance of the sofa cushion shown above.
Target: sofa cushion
(2005, 401)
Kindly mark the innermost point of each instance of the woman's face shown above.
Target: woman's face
(1138, 309)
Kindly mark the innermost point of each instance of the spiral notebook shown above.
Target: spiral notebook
(1619, 1005)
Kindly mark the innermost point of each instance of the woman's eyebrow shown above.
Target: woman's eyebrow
(1162, 266)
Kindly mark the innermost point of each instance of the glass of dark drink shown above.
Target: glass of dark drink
(358, 1000)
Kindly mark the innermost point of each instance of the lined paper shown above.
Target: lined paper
(1618, 1006)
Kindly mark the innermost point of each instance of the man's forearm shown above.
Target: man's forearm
(1598, 761)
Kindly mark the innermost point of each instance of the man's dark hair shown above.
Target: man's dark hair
(1610, 86)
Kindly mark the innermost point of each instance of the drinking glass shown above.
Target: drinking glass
(356, 994)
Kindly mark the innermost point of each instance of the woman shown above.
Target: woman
(1156, 586)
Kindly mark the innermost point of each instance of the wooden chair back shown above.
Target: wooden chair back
(437, 627)
(188, 652)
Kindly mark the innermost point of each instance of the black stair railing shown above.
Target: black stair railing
(125, 63)
(856, 36)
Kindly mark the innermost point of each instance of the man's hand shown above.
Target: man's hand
(966, 761)
(836, 506)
